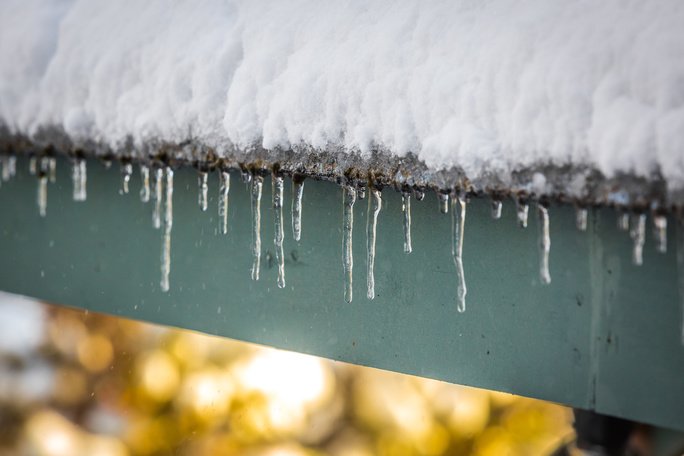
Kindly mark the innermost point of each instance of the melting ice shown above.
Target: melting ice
(458, 213)
(257, 186)
(297, 192)
(224, 188)
(168, 224)
(406, 212)
(277, 184)
(348, 199)
(544, 243)
(374, 206)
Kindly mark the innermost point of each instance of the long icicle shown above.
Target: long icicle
(458, 214)
(257, 186)
(297, 192)
(224, 188)
(277, 184)
(168, 224)
(202, 182)
(348, 199)
(157, 194)
(374, 207)
(544, 243)
(145, 187)
(406, 211)
(680, 264)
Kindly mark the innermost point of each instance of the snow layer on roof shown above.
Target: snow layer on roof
(484, 85)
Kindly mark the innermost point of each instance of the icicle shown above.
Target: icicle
(581, 215)
(374, 206)
(406, 210)
(126, 169)
(157, 195)
(496, 206)
(42, 186)
(420, 195)
(79, 178)
(348, 199)
(458, 213)
(522, 209)
(443, 202)
(53, 170)
(168, 224)
(203, 190)
(361, 192)
(680, 264)
(224, 188)
(297, 192)
(5, 168)
(660, 225)
(32, 165)
(245, 176)
(544, 243)
(145, 178)
(638, 234)
(277, 185)
(257, 185)
(13, 165)
(623, 219)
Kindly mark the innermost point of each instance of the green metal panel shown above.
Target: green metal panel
(603, 335)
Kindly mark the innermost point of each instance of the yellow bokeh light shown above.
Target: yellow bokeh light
(208, 393)
(158, 375)
(50, 434)
(95, 352)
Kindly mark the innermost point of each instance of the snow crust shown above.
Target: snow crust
(490, 86)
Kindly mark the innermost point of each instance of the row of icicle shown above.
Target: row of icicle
(155, 180)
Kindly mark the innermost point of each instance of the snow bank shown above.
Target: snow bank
(488, 86)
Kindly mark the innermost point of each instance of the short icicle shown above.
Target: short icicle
(257, 186)
(278, 187)
(581, 216)
(660, 226)
(5, 168)
(443, 202)
(544, 243)
(145, 179)
(13, 165)
(374, 206)
(53, 170)
(297, 192)
(79, 178)
(420, 194)
(42, 186)
(623, 220)
(361, 192)
(168, 224)
(522, 210)
(348, 199)
(637, 232)
(406, 211)
(126, 170)
(496, 208)
(458, 214)
(202, 182)
(157, 195)
(33, 161)
(224, 188)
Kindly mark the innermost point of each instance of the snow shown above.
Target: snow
(488, 86)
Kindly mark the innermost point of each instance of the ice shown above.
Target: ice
(374, 207)
(257, 186)
(348, 199)
(544, 243)
(278, 187)
(168, 224)
(458, 213)
(406, 212)
(224, 188)
(297, 192)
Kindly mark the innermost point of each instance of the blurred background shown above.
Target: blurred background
(76, 383)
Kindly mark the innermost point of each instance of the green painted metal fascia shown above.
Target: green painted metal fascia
(604, 335)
